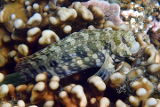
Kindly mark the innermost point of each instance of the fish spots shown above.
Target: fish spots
(66, 57)
(98, 62)
(89, 54)
(65, 68)
(73, 55)
(72, 65)
(92, 46)
(53, 63)
(79, 62)
(86, 37)
(59, 71)
(86, 59)
(71, 41)
(100, 57)
(42, 68)
(80, 51)
(94, 56)
(107, 46)
(81, 54)
(86, 49)
(34, 72)
(101, 54)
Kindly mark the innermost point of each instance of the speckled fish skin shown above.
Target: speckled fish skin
(55, 1)
(78, 51)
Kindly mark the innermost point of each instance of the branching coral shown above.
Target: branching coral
(30, 25)
(112, 11)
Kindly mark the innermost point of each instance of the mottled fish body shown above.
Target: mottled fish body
(55, 1)
(77, 52)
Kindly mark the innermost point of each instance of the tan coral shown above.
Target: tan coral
(4, 90)
(158, 104)
(120, 103)
(85, 13)
(54, 20)
(63, 15)
(40, 86)
(134, 73)
(97, 82)
(93, 100)
(29, 88)
(135, 101)
(36, 97)
(68, 88)
(91, 27)
(154, 68)
(104, 102)
(154, 56)
(39, 91)
(123, 67)
(67, 29)
(142, 93)
(55, 78)
(41, 77)
(21, 88)
(4, 37)
(19, 24)
(144, 88)
(4, 56)
(12, 91)
(23, 49)
(32, 106)
(49, 103)
(6, 104)
(1, 77)
(21, 103)
(48, 37)
(3, 61)
(110, 24)
(97, 12)
(9, 9)
(141, 40)
(151, 102)
(66, 100)
(33, 34)
(12, 53)
(66, 14)
(54, 82)
(117, 79)
(35, 20)
(79, 93)
(54, 85)
(36, 7)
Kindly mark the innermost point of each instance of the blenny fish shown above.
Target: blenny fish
(78, 51)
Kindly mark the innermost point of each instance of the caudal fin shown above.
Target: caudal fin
(14, 78)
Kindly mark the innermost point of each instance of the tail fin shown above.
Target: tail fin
(15, 79)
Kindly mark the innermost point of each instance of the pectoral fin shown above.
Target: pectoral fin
(107, 68)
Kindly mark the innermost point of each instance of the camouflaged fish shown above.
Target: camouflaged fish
(77, 52)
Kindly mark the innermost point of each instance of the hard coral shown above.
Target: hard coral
(15, 8)
(112, 11)
(37, 23)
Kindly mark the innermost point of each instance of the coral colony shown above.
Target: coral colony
(79, 53)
